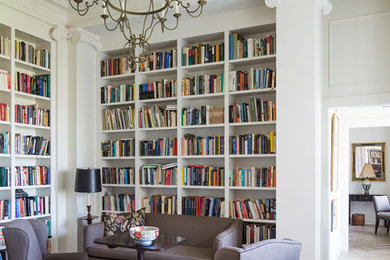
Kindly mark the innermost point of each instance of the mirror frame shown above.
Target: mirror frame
(383, 145)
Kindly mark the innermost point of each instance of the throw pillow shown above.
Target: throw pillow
(117, 223)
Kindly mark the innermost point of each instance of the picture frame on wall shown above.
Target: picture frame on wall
(335, 140)
(333, 214)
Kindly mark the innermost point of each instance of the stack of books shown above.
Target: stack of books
(256, 110)
(198, 145)
(5, 46)
(205, 115)
(253, 177)
(155, 116)
(32, 115)
(253, 144)
(118, 175)
(256, 209)
(239, 47)
(5, 147)
(203, 206)
(29, 53)
(5, 177)
(160, 60)
(32, 175)
(118, 66)
(118, 118)
(203, 53)
(159, 147)
(114, 94)
(200, 175)
(158, 89)
(35, 85)
(203, 84)
(255, 78)
(157, 174)
(5, 80)
(118, 148)
(4, 112)
(258, 232)
(31, 145)
(160, 204)
(118, 202)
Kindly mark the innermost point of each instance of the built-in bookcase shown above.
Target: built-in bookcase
(223, 99)
(34, 173)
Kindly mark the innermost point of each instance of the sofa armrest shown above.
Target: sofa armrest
(91, 232)
(228, 253)
(230, 237)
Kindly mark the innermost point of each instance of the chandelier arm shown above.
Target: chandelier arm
(151, 6)
(151, 30)
(116, 8)
(84, 10)
(172, 28)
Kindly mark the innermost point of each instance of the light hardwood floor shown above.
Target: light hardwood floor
(365, 245)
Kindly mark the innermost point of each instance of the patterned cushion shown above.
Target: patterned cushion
(117, 223)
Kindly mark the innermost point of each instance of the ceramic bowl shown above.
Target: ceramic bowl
(144, 235)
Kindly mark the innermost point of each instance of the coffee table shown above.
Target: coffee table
(124, 240)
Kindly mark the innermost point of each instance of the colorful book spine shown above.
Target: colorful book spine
(36, 85)
(28, 206)
(115, 94)
(198, 145)
(203, 53)
(4, 112)
(256, 110)
(200, 175)
(118, 148)
(253, 209)
(5, 147)
(32, 115)
(155, 116)
(253, 144)
(32, 175)
(254, 233)
(31, 54)
(5, 177)
(5, 211)
(31, 145)
(203, 206)
(158, 89)
(240, 48)
(118, 118)
(202, 84)
(254, 78)
(156, 174)
(5, 80)
(253, 177)
(118, 175)
(205, 115)
(159, 147)
(5, 46)
(162, 204)
(118, 202)
(160, 60)
(116, 66)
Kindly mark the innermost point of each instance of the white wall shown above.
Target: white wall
(368, 135)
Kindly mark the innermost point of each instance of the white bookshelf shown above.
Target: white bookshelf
(224, 99)
(13, 97)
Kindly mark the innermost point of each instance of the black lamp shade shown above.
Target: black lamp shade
(88, 180)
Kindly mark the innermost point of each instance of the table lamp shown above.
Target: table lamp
(367, 173)
(88, 180)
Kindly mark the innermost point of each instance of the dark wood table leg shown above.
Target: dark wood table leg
(140, 254)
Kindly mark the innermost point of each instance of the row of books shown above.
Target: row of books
(205, 115)
(253, 144)
(253, 177)
(27, 206)
(253, 209)
(200, 175)
(202, 84)
(5, 46)
(159, 60)
(118, 148)
(36, 85)
(256, 110)
(157, 174)
(118, 118)
(29, 53)
(5, 210)
(5, 79)
(160, 204)
(160, 147)
(118, 202)
(31, 145)
(156, 116)
(254, 233)
(32, 175)
(158, 89)
(5, 177)
(198, 145)
(239, 47)
(114, 94)
(203, 53)
(5, 147)
(4, 112)
(32, 115)
(255, 78)
(117, 66)
(203, 206)
(118, 175)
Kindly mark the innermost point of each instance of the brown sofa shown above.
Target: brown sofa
(204, 236)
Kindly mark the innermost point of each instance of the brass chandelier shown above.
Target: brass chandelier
(116, 16)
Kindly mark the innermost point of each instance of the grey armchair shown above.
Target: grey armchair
(26, 240)
(271, 249)
(382, 211)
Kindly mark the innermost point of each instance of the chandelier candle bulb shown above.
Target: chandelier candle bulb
(177, 7)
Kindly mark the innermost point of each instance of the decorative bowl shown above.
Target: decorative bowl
(144, 235)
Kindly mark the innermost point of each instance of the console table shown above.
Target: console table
(359, 197)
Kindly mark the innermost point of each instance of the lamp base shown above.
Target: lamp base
(89, 217)
(366, 188)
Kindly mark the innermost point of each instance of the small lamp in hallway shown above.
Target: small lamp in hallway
(88, 180)
(367, 173)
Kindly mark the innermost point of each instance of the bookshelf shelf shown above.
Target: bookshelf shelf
(19, 93)
(118, 131)
(204, 96)
(119, 77)
(5, 122)
(34, 187)
(203, 126)
(253, 123)
(158, 100)
(36, 216)
(115, 211)
(32, 126)
(127, 103)
(22, 156)
(204, 66)
(254, 60)
(5, 221)
(5, 155)
(119, 158)
(191, 74)
(30, 66)
(4, 57)
(158, 73)
(5, 90)
(263, 221)
(5, 188)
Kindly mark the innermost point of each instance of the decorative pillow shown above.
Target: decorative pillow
(117, 223)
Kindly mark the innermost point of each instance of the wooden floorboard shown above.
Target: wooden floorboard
(365, 245)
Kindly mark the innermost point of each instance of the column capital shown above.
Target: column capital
(78, 35)
(58, 33)
(326, 5)
(272, 3)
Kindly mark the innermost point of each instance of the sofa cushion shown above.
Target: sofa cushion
(174, 253)
(116, 223)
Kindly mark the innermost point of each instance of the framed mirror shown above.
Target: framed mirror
(368, 153)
